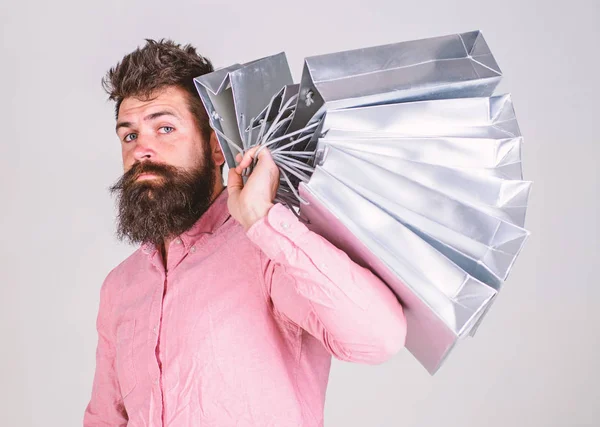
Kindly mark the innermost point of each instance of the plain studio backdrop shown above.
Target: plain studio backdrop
(534, 361)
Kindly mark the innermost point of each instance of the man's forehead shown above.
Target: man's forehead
(170, 99)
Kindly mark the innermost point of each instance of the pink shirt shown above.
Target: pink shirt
(240, 328)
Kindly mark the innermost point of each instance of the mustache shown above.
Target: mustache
(129, 178)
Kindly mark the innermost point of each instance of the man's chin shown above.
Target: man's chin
(145, 190)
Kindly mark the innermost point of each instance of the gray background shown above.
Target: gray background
(534, 361)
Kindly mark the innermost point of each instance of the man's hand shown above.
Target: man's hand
(250, 202)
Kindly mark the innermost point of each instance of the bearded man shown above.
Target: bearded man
(229, 311)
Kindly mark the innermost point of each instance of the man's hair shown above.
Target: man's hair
(156, 66)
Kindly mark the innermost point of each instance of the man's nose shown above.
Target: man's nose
(144, 148)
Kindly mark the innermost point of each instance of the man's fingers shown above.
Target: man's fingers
(235, 183)
(246, 160)
(243, 163)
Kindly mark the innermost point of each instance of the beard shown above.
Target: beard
(153, 209)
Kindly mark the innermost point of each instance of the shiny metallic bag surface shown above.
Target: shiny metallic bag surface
(402, 156)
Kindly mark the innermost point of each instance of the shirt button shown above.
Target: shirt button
(285, 225)
(155, 380)
(193, 249)
(155, 329)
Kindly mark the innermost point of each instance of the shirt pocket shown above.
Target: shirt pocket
(125, 366)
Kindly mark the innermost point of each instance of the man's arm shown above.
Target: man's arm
(312, 283)
(317, 287)
(106, 405)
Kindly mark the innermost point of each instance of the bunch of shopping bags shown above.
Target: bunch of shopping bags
(400, 155)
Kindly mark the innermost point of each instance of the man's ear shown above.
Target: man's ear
(215, 149)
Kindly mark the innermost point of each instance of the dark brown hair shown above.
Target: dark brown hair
(155, 66)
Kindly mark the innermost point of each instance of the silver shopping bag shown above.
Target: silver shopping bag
(454, 66)
(480, 117)
(441, 303)
(495, 157)
(401, 156)
(479, 187)
(235, 95)
(476, 134)
(482, 240)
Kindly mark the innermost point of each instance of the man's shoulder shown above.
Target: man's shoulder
(124, 268)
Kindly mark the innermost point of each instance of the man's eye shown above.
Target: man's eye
(166, 129)
(130, 137)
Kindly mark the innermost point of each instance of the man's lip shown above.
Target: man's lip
(146, 175)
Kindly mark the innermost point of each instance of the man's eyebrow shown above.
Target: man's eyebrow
(148, 117)
(160, 114)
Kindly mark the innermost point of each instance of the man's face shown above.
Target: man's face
(162, 130)
(170, 173)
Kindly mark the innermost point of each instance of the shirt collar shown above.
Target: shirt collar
(208, 223)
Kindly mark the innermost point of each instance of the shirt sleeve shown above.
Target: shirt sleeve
(105, 407)
(317, 287)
